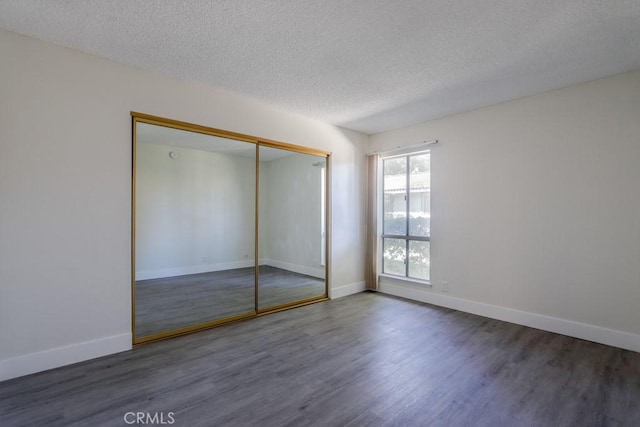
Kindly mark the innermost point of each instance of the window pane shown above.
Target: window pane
(394, 256)
(395, 190)
(420, 195)
(419, 259)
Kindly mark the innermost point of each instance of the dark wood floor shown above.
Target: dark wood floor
(175, 302)
(365, 359)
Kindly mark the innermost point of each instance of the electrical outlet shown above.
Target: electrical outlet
(444, 286)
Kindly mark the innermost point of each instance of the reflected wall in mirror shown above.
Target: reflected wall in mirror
(292, 227)
(194, 229)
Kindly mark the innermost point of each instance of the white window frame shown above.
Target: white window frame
(407, 237)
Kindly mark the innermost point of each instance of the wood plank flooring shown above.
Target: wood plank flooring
(175, 302)
(366, 359)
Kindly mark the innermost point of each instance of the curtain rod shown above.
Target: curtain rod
(400, 148)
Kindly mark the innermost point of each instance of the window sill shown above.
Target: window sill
(406, 280)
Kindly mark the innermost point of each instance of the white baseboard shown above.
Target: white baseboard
(192, 269)
(301, 269)
(344, 290)
(615, 338)
(61, 356)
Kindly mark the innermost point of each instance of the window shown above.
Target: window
(406, 225)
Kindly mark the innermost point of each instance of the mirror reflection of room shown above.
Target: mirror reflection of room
(195, 229)
(292, 227)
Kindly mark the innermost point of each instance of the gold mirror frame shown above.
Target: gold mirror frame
(259, 142)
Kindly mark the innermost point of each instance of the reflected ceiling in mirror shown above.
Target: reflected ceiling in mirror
(160, 135)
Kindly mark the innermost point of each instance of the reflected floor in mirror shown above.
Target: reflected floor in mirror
(170, 303)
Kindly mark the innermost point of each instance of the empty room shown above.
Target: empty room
(335, 213)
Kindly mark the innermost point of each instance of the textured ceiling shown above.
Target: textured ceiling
(368, 65)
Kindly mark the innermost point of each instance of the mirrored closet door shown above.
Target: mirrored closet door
(291, 227)
(225, 227)
(194, 229)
